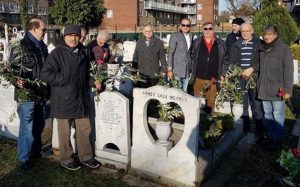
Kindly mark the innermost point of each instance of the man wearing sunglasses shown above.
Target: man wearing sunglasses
(27, 58)
(179, 59)
(208, 55)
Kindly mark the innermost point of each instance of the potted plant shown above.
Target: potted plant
(231, 91)
(167, 113)
(290, 160)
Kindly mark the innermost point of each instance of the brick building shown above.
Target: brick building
(164, 14)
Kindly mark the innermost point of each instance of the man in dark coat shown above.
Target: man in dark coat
(27, 57)
(67, 71)
(208, 56)
(149, 57)
(235, 34)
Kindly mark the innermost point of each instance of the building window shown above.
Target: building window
(13, 7)
(2, 9)
(141, 1)
(199, 17)
(109, 13)
(30, 9)
(199, 6)
(140, 12)
(42, 11)
(215, 17)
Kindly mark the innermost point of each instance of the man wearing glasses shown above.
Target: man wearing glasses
(179, 59)
(208, 55)
(27, 58)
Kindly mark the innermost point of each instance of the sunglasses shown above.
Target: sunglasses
(184, 25)
(208, 29)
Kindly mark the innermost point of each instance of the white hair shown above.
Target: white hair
(102, 34)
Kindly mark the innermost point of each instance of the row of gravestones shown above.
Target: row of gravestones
(183, 162)
(179, 162)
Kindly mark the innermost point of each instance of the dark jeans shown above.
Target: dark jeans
(250, 98)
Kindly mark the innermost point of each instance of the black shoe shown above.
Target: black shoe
(92, 163)
(35, 156)
(73, 166)
(25, 165)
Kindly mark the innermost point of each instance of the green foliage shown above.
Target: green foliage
(24, 13)
(295, 48)
(230, 90)
(291, 163)
(80, 12)
(167, 112)
(164, 81)
(272, 13)
(213, 128)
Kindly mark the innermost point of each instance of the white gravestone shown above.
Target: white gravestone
(129, 47)
(9, 120)
(296, 73)
(113, 130)
(181, 163)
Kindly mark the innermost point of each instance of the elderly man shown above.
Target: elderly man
(67, 71)
(149, 57)
(100, 48)
(28, 57)
(235, 34)
(208, 55)
(245, 53)
(275, 82)
(179, 59)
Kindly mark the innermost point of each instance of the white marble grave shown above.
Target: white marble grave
(129, 47)
(113, 130)
(296, 72)
(9, 120)
(181, 163)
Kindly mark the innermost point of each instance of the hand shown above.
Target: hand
(170, 74)
(98, 84)
(247, 72)
(286, 96)
(222, 78)
(20, 83)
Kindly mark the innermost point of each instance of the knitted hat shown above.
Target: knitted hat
(238, 21)
(72, 29)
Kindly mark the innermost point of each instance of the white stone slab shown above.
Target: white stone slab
(129, 47)
(181, 164)
(9, 120)
(296, 72)
(113, 127)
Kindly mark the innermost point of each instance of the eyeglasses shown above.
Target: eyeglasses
(44, 29)
(185, 25)
(208, 29)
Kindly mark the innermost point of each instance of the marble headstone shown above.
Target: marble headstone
(113, 130)
(181, 162)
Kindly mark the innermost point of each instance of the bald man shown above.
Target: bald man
(245, 53)
(28, 57)
(149, 57)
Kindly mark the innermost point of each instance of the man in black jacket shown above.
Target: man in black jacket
(208, 56)
(149, 57)
(67, 72)
(245, 53)
(235, 34)
(27, 58)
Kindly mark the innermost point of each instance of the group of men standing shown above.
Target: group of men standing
(205, 61)
(200, 62)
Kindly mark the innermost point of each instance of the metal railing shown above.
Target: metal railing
(151, 5)
(188, 1)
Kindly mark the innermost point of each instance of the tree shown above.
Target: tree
(23, 13)
(224, 16)
(81, 12)
(242, 8)
(272, 13)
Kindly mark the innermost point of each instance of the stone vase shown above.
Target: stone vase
(237, 110)
(163, 132)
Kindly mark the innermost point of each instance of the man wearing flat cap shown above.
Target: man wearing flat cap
(235, 34)
(67, 72)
